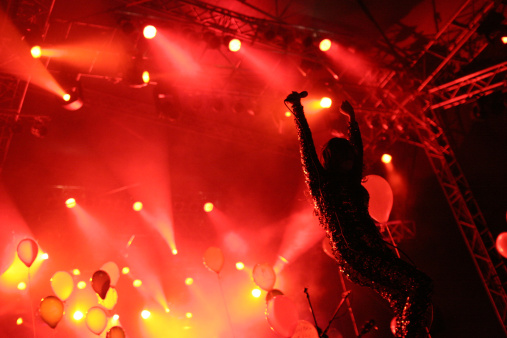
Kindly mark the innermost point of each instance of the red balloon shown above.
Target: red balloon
(282, 315)
(213, 259)
(381, 197)
(51, 310)
(27, 251)
(264, 276)
(501, 244)
(100, 283)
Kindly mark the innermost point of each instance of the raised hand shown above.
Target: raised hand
(347, 109)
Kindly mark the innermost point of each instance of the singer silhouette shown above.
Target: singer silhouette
(341, 204)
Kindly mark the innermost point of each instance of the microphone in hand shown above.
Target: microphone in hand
(296, 97)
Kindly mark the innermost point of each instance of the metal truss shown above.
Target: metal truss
(470, 87)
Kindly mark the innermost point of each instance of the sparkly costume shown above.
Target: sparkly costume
(341, 204)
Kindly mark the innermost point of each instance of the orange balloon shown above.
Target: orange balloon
(96, 320)
(115, 332)
(27, 251)
(100, 283)
(214, 259)
(51, 310)
(264, 276)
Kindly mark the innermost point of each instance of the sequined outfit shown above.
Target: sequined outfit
(341, 204)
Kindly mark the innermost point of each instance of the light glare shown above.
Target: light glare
(19, 321)
(175, 251)
(149, 32)
(21, 286)
(386, 158)
(146, 77)
(504, 39)
(76, 272)
(325, 45)
(189, 281)
(78, 315)
(70, 203)
(137, 283)
(44, 256)
(234, 45)
(325, 102)
(240, 265)
(137, 206)
(189, 315)
(208, 207)
(145, 314)
(36, 52)
(66, 97)
(256, 293)
(81, 285)
(125, 270)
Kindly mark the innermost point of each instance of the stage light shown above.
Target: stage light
(21, 286)
(325, 102)
(146, 77)
(136, 74)
(189, 315)
(288, 114)
(234, 45)
(72, 98)
(36, 52)
(240, 266)
(78, 315)
(145, 314)
(81, 285)
(76, 272)
(189, 281)
(137, 206)
(167, 310)
(386, 158)
(44, 256)
(325, 45)
(149, 31)
(174, 251)
(137, 283)
(504, 39)
(116, 317)
(125, 270)
(208, 207)
(19, 321)
(70, 203)
(256, 293)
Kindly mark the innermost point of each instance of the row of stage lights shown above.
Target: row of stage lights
(136, 206)
(72, 97)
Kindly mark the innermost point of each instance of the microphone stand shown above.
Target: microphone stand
(344, 297)
(319, 331)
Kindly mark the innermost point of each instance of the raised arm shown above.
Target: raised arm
(354, 136)
(312, 167)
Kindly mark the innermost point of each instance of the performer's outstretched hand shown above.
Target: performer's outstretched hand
(294, 98)
(347, 109)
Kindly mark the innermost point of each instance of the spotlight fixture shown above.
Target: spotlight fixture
(39, 128)
(325, 45)
(136, 75)
(234, 45)
(149, 32)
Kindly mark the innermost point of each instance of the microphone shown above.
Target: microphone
(295, 96)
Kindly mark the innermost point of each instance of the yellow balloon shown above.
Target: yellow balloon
(62, 284)
(96, 320)
(111, 299)
(51, 310)
(113, 271)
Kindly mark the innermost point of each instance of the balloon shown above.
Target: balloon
(96, 320)
(113, 271)
(115, 332)
(100, 283)
(393, 325)
(62, 284)
(51, 310)
(328, 249)
(214, 259)
(501, 244)
(272, 293)
(381, 197)
(282, 315)
(264, 276)
(305, 329)
(111, 299)
(27, 251)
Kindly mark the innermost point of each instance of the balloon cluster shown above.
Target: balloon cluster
(52, 307)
